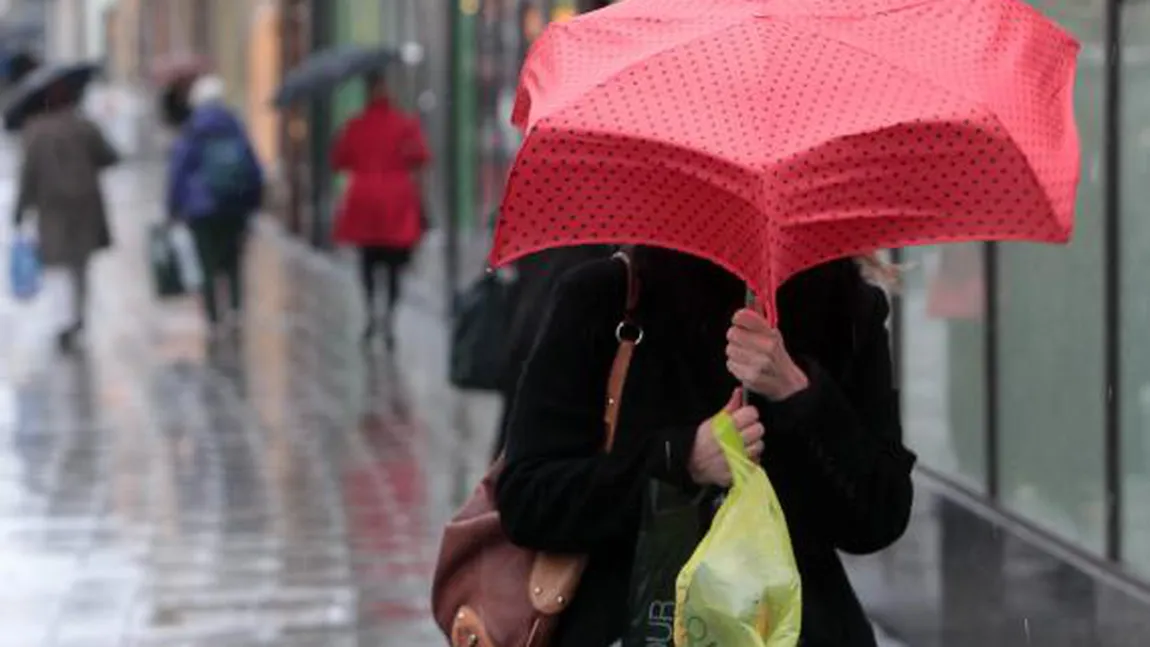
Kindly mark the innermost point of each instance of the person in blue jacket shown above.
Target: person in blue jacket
(215, 185)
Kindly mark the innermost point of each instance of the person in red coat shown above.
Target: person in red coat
(382, 150)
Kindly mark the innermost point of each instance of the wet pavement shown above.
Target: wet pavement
(278, 490)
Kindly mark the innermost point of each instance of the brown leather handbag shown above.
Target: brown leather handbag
(489, 592)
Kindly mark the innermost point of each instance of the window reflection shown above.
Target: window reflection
(1051, 405)
(1135, 325)
(505, 32)
(944, 366)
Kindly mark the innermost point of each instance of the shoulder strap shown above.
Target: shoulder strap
(629, 334)
(555, 578)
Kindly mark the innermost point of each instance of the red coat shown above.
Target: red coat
(380, 149)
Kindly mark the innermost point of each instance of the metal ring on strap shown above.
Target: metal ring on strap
(623, 327)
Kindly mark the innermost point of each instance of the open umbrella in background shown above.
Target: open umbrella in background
(174, 76)
(19, 65)
(30, 97)
(769, 136)
(322, 72)
(178, 67)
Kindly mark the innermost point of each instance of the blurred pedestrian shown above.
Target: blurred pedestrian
(215, 186)
(64, 153)
(383, 150)
(822, 417)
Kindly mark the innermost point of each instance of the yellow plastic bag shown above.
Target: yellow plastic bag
(741, 587)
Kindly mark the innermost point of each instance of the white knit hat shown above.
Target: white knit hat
(207, 89)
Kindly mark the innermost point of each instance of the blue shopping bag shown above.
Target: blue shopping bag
(24, 271)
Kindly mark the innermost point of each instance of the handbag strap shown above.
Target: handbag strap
(554, 577)
(629, 335)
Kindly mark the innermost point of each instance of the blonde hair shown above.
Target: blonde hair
(879, 271)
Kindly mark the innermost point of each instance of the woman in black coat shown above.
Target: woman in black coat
(825, 421)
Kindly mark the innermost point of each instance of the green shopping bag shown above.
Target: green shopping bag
(670, 529)
(741, 587)
(164, 263)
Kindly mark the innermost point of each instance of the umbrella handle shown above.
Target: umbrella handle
(753, 303)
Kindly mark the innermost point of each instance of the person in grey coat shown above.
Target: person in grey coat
(63, 155)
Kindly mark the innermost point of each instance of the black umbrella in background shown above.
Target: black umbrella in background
(20, 65)
(325, 70)
(31, 96)
(174, 76)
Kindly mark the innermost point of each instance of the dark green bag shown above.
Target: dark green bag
(479, 334)
(670, 530)
(166, 278)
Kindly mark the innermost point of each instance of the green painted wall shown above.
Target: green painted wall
(357, 22)
(463, 113)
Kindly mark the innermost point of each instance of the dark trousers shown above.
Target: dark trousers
(389, 260)
(220, 246)
(78, 271)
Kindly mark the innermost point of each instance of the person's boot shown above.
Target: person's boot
(232, 323)
(389, 332)
(68, 340)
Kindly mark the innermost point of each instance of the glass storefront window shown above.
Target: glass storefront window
(1051, 335)
(505, 31)
(494, 48)
(944, 360)
(1135, 273)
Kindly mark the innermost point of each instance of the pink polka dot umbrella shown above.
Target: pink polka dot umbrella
(773, 135)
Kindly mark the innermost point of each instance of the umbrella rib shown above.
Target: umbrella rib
(617, 73)
(981, 105)
(545, 125)
(869, 54)
(885, 12)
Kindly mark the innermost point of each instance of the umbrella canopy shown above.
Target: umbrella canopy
(31, 95)
(323, 71)
(179, 68)
(20, 65)
(773, 135)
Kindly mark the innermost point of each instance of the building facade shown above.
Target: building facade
(491, 40)
(308, 131)
(23, 24)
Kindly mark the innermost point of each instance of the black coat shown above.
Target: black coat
(539, 273)
(833, 452)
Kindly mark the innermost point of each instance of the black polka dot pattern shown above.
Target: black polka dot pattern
(772, 135)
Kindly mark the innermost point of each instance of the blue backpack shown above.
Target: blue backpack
(227, 169)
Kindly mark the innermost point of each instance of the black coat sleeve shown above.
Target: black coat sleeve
(850, 432)
(558, 491)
